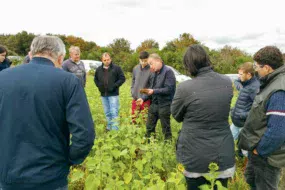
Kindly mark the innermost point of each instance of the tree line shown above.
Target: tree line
(224, 60)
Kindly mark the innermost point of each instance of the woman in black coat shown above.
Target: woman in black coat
(203, 105)
(4, 61)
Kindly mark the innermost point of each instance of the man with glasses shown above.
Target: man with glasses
(263, 134)
(140, 80)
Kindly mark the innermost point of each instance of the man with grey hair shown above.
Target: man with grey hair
(41, 108)
(162, 90)
(74, 65)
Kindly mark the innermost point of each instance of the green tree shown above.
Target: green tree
(20, 43)
(228, 59)
(120, 45)
(147, 45)
(184, 41)
(76, 41)
(181, 43)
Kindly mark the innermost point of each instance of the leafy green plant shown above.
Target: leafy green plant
(212, 178)
(123, 159)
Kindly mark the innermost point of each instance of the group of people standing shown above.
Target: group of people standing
(203, 105)
(43, 108)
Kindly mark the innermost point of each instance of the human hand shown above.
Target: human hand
(139, 101)
(255, 152)
(149, 91)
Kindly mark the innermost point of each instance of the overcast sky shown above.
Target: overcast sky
(246, 24)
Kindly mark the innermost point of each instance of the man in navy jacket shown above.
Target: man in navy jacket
(41, 107)
(162, 90)
(249, 87)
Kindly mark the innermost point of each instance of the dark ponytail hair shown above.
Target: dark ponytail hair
(196, 58)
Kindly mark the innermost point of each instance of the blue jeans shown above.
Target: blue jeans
(260, 175)
(111, 108)
(235, 131)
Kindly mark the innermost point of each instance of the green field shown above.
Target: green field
(123, 160)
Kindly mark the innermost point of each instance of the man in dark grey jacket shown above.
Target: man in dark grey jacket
(140, 80)
(74, 65)
(162, 90)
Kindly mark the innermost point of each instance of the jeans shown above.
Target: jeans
(260, 175)
(163, 113)
(235, 131)
(194, 183)
(111, 109)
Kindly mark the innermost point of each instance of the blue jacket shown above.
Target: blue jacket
(40, 108)
(244, 101)
(5, 64)
(163, 84)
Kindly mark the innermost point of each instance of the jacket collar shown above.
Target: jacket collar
(110, 66)
(245, 83)
(145, 68)
(204, 70)
(162, 68)
(6, 62)
(74, 62)
(268, 78)
(42, 61)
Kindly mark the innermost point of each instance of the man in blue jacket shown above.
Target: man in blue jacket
(249, 87)
(162, 90)
(41, 108)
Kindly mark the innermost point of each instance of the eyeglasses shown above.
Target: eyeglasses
(257, 66)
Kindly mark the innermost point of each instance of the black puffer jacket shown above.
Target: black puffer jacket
(244, 101)
(203, 105)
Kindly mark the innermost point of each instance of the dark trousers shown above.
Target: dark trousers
(260, 175)
(163, 113)
(194, 183)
